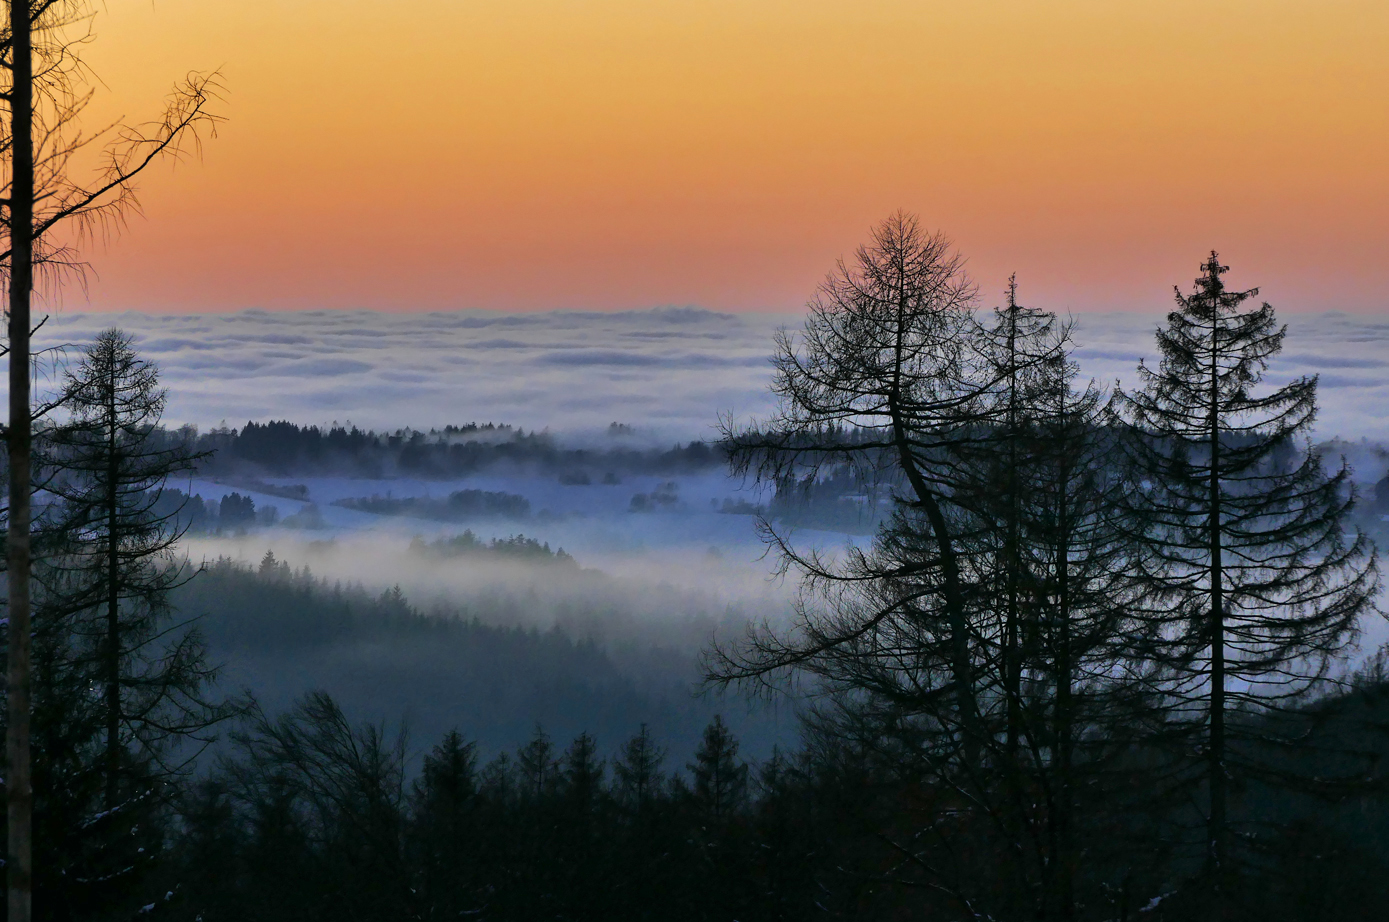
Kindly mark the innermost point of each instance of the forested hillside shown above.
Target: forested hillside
(281, 634)
(280, 448)
(315, 818)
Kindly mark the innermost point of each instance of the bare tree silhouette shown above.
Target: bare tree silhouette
(47, 88)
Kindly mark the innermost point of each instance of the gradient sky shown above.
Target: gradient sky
(535, 154)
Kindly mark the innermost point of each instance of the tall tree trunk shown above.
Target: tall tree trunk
(1012, 654)
(1216, 835)
(18, 782)
(1062, 857)
(113, 587)
(962, 674)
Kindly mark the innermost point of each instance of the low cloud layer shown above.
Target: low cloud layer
(1349, 352)
(671, 371)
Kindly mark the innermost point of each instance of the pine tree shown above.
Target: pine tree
(641, 792)
(637, 772)
(120, 697)
(1081, 686)
(1254, 586)
(537, 767)
(582, 856)
(1027, 350)
(946, 642)
(444, 829)
(581, 774)
(112, 574)
(720, 778)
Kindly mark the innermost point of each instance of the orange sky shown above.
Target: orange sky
(531, 154)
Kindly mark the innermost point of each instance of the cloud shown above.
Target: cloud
(319, 368)
(1346, 352)
(565, 370)
(672, 370)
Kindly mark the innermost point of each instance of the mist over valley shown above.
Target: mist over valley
(736, 462)
(661, 546)
(610, 542)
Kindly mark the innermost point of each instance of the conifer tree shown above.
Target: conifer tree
(42, 85)
(338, 792)
(946, 642)
(887, 377)
(720, 778)
(637, 772)
(641, 791)
(1027, 350)
(121, 689)
(444, 829)
(112, 573)
(1254, 585)
(581, 775)
(1081, 686)
(537, 767)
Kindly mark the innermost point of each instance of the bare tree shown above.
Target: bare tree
(978, 645)
(889, 378)
(46, 94)
(882, 379)
(343, 788)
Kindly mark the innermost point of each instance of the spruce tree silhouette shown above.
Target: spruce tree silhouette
(720, 779)
(115, 564)
(1253, 586)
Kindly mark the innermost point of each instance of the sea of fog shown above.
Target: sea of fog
(670, 579)
(687, 567)
(669, 371)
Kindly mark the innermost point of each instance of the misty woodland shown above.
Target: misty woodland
(1036, 646)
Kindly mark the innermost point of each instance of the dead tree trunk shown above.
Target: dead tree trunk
(18, 782)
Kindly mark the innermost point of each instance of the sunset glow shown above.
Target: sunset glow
(535, 154)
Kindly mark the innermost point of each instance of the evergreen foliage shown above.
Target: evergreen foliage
(280, 447)
(309, 819)
(981, 639)
(720, 780)
(122, 692)
(1254, 589)
(113, 564)
(637, 773)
